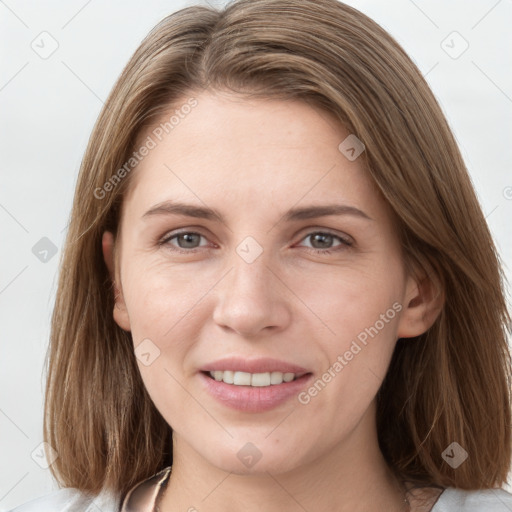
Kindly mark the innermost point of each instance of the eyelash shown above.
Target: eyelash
(345, 242)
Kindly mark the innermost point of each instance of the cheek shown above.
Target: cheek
(359, 311)
(162, 301)
(168, 309)
(164, 309)
(354, 302)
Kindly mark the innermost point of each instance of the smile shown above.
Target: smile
(238, 378)
(253, 392)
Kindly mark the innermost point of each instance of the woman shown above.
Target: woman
(277, 282)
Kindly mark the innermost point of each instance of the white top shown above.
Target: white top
(451, 500)
(458, 500)
(71, 500)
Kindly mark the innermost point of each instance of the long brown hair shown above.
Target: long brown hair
(451, 384)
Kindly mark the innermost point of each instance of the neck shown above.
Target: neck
(353, 476)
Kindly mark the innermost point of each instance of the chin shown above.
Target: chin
(252, 458)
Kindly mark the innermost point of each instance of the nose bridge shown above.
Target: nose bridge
(249, 261)
(249, 270)
(249, 299)
(249, 280)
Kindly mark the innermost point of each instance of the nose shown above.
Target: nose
(252, 300)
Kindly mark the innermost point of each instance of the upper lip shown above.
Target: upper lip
(260, 365)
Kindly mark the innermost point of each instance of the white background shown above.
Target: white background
(48, 107)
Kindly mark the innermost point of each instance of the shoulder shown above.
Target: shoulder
(71, 500)
(485, 500)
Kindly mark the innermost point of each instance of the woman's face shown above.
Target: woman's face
(285, 260)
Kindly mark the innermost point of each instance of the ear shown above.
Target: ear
(424, 300)
(120, 313)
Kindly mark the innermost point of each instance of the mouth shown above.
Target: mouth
(265, 379)
(253, 392)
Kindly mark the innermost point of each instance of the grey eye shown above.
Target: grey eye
(321, 240)
(187, 240)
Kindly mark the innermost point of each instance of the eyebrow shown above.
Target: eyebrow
(294, 214)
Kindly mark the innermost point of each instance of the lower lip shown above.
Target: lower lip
(253, 398)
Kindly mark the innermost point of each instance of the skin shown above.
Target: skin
(252, 161)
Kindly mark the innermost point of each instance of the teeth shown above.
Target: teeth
(252, 379)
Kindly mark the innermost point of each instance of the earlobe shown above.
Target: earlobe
(120, 312)
(424, 300)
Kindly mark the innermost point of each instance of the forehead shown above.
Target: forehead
(249, 152)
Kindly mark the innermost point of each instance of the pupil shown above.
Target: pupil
(322, 236)
(188, 239)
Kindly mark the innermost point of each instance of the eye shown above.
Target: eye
(186, 241)
(322, 242)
